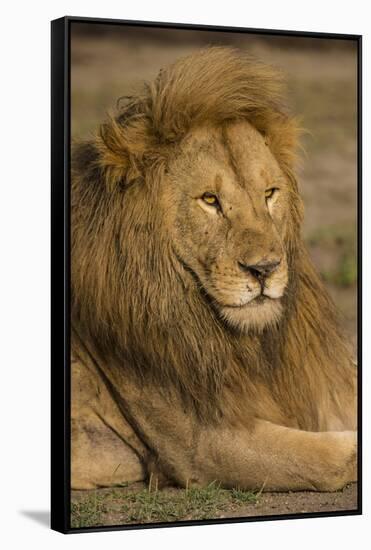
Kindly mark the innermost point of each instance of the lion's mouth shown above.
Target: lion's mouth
(258, 301)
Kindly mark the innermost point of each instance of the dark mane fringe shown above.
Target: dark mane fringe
(139, 308)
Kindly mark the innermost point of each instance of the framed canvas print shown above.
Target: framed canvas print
(205, 277)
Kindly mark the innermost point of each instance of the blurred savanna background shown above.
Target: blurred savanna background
(110, 61)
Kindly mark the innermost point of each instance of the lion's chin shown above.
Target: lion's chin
(255, 315)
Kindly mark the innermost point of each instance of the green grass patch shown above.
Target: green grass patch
(88, 511)
(238, 495)
(118, 506)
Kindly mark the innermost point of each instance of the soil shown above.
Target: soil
(300, 503)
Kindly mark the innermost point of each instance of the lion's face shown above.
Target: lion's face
(227, 203)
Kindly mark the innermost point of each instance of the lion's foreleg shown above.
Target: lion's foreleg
(277, 458)
(264, 455)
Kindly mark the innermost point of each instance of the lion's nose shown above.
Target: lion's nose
(260, 270)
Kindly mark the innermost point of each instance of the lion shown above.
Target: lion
(205, 347)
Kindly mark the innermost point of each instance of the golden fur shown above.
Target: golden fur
(160, 318)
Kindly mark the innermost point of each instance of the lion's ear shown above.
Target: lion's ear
(282, 135)
(118, 164)
(121, 149)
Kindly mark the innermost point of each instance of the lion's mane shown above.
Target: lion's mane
(135, 304)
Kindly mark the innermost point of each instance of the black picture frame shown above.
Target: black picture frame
(60, 268)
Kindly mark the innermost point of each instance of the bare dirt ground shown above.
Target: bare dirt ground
(322, 90)
(301, 502)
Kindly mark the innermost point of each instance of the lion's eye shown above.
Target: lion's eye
(270, 192)
(211, 199)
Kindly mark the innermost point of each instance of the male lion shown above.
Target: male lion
(204, 345)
